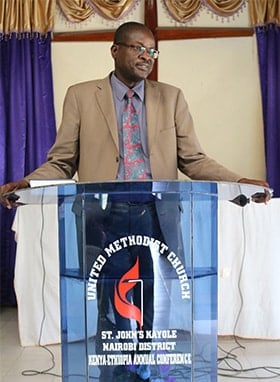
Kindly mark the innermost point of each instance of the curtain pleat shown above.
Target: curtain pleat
(264, 12)
(113, 9)
(75, 11)
(27, 120)
(185, 10)
(182, 10)
(80, 10)
(265, 16)
(26, 16)
(269, 62)
(225, 7)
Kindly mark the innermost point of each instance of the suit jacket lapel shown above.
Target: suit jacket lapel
(105, 101)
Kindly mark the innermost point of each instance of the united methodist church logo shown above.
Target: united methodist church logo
(130, 279)
(139, 328)
(122, 287)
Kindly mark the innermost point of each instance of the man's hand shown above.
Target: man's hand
(258, 197)
(6, 200)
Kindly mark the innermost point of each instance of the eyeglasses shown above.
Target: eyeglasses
(139, 49)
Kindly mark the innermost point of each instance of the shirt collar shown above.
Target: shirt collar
(120, 89)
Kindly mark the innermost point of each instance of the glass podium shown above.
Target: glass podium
(138, 278)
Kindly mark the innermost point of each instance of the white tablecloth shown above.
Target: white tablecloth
(249, 264)
(249, 270)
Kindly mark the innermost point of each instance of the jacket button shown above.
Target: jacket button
(117, 159)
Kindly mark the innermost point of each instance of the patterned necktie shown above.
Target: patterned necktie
(134, 166)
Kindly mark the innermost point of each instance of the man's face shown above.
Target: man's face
(131, 65)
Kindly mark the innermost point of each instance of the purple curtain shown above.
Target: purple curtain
(27, 128)
(268, 39)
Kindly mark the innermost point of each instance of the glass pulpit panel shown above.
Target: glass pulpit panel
(138, 267)
(138, 276)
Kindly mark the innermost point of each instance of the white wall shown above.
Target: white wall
(219, 77)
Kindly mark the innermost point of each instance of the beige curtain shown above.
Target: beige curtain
(22, 16)
(38, 15)
(80, 10)
(180, 10)
(75, 10)
(183, 10)
(264, 12)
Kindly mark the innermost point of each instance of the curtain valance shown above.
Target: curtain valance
(80, 10)
(26, 16)
(31, 16)
(184, 10)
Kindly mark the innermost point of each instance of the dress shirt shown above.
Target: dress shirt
(119, 90)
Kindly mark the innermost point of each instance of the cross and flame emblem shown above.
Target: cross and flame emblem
(122, 303)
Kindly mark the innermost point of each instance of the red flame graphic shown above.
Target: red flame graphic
(123, 306)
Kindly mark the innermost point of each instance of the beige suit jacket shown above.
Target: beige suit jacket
(87, 140)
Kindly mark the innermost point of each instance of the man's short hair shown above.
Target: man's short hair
(123, 31)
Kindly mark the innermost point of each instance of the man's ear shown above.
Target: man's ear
(114, 50)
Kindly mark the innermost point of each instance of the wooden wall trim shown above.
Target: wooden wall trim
(83, 36)
(151, 20)
(161, 34)
(191, 33)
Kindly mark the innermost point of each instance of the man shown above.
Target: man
(89, 136)
(92, 140)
